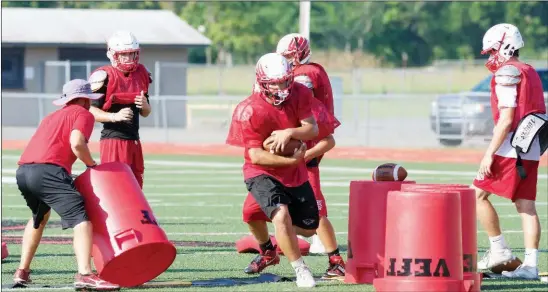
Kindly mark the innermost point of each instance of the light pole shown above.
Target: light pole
(304, 19)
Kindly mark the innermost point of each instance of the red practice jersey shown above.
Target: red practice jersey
(254, 120)
(51, 141)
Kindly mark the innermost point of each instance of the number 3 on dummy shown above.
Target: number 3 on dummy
(147, 218)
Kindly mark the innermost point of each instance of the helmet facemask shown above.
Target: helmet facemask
(501, 42)
(274, 78)
(277, 90)
(495, 60)
(123, 51)
(125, 61)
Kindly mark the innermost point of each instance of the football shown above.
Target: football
(289, 149)
(508, 266)
(389, 172)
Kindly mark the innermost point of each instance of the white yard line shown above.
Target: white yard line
(196, 185)
(213, 205)
(241, 195)
(223, 233)
(158, 171)
(199, 184)
(223, 219)
(336, 169)
(68, 287)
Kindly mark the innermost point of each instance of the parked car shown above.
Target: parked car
(456, 117)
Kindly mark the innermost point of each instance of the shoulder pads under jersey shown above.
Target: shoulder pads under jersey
(243, 111)
(149, 73)
(97, 79)
(256, 87)
(508, 75)
(304, 80)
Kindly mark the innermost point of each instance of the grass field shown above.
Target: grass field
(199, 198)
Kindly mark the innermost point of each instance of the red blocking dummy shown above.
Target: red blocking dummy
(469, 227)
(129, 248)
(423, 242)
(5, 252)
(366, 229)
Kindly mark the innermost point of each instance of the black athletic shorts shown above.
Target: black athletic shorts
(49, 186)
(301, 202)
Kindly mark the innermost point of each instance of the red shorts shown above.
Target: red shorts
(506, 182)
(126, 151)
(253, 212)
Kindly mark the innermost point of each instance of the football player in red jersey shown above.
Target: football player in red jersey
(125, 85)
(279, 185)
(516, 91)
(296, 49)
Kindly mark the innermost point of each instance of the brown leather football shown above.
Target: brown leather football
(508, 266)
(289, 149)
(389, 172)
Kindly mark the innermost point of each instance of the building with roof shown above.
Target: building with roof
(36, 42)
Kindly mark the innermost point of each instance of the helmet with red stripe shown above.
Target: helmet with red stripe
(295, 47)
(274, 77)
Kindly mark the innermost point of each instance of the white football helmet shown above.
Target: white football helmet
(123, 51)
(501, 41)
(273, 69)
(295, 47)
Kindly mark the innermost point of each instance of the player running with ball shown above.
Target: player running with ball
(282, 109)
(296, 49)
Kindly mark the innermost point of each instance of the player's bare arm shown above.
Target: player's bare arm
(80, 147)
(261, 157)
(499, 135)
(322, 147)
(501, 129)
(506, 78)
(98, 82)
(141, 101)
(125, 114)
(307, 131)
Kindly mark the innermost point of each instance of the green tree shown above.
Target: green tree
(30, 4)
(392, 31)
(242, 30)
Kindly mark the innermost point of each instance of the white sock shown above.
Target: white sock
(498, 242)
(298, 263)
(531, 257)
